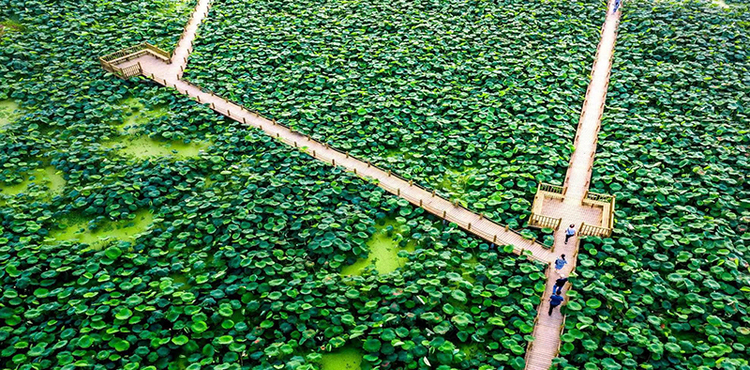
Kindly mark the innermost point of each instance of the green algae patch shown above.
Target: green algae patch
(384, 249)
(48, 178)
(136, 115)
(81, 231)
(469, 350)
(9, 112)
(345, 359)
(144, 147)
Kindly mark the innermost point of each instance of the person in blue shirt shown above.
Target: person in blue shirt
(617, 5)
(560, 263)
(555, 301)
(569, 232)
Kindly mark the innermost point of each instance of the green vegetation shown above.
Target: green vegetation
(685, 307)
(492, 90)
(118, 253)
(140, 230)
(671, 290)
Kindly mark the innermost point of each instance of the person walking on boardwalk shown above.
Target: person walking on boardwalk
(560, 263)
(569, 232)
(555, 301)
(559, 284)
(617, 5)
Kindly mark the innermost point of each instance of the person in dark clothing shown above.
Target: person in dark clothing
(555, 301)
(559, 284)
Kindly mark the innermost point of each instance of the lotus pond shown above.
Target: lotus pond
(226, 257)
(477, 100)
(670, 290)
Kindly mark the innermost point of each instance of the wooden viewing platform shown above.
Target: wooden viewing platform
(116, 62)
(545, 214)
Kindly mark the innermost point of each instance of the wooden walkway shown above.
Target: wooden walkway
(170, 75)
(548, 329)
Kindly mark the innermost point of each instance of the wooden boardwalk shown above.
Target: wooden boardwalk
(548, 328)
(170, 75)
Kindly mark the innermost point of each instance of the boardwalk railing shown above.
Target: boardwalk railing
(544, 221)
(597, 197)
(611, 221)
(530, 345)
(131, 71)
(552, 189)
(593, 230)
(111, 62)
(422, 202)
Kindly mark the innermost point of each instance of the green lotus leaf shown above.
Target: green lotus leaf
(371, 345)
(180, 340)
(593, 303)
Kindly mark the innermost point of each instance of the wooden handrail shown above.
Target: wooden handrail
(157, 51)
(598, 197)
(558, 189)
(135, 51)
(593, 230)
(544, 221)
(131, 71)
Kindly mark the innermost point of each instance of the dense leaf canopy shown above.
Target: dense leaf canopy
(476, 99)
(238, 262)
(674, 281)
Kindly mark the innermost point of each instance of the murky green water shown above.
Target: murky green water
(137, 115)
(124, 230)
(345, 359)
(136, 145)
(45, 176)
(8, 112)
(383, 252)
(143, 147)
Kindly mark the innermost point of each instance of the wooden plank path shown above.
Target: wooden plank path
(548, 329)
(170, 75)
